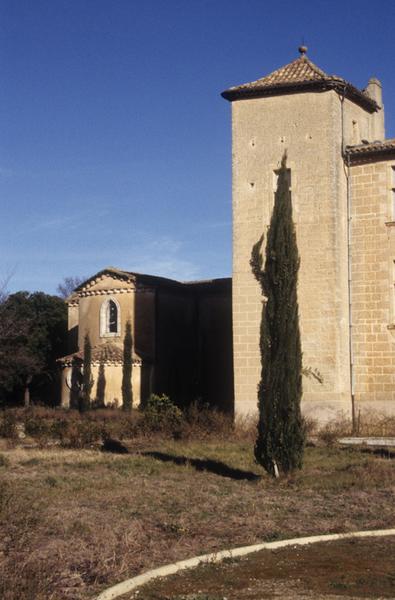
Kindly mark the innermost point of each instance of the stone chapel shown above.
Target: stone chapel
(342, 182)
(181, 333)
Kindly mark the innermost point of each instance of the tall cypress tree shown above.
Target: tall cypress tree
(101, 387)
(127, 392)
(280, 440)
(87, 381)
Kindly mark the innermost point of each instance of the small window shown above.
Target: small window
(110, 319)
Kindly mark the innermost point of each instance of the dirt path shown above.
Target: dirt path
(357, 568)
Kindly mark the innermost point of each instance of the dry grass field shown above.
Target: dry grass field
(73, 522)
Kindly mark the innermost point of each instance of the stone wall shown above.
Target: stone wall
(313, 128)
(373, 302)
(308, 126)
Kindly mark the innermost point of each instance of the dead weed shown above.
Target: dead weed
(75, 522)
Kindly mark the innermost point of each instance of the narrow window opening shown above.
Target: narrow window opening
(112, 317)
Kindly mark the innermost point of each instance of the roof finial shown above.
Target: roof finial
(302, 49)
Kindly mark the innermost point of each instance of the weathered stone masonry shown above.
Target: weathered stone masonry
(340, 213)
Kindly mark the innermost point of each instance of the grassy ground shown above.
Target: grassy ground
(73, 522)
(343, 569)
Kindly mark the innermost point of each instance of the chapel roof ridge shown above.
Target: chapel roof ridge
(124, 274)
(300, 75)
(142, 278)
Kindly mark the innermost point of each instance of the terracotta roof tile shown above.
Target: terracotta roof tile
(299, 75)
(142, 279)
(378, 147)
(298, 71)
(106, 353)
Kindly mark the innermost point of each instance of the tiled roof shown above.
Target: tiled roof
(298, 76)
(298, 71)
(129, 276)
(145, 280)
(371, 150)
(106, 353)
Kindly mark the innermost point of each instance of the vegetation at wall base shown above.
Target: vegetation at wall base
(280, 441)
(101, 387)
(161, 419)
(127, 391)
(160, 413)
(87, 381)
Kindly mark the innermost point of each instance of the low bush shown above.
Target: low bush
(328, 435)
(310, 427)
(38, 428)
(4, 462)
(367, 424)
(161, 414)
(330, 432)
(81, 433)
(201, 421)
(159, 418)
(373, 423)
(8, 425)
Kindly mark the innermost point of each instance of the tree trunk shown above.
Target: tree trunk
(26, 395)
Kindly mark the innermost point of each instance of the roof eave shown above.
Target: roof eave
(340, 86)
(360, 156)
(124, 275)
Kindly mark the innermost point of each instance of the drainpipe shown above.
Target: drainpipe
(350, 324)
(346, 158)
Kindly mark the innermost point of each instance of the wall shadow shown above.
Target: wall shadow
(193, 344)
(212, 466)
(381, 452)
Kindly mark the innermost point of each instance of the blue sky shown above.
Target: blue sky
(115, 144)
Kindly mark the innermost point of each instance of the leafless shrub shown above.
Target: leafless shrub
(369, 423)
(310, 427)
(329, 433)
(70, 429)
(375, 423)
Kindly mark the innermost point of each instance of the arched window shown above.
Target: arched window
(110, 318)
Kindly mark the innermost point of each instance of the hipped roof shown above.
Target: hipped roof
(300, 75)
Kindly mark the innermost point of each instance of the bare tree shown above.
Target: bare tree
(68, 285)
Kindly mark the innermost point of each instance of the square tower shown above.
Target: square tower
(313, 117)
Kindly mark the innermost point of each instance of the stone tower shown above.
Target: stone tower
(314, 117)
